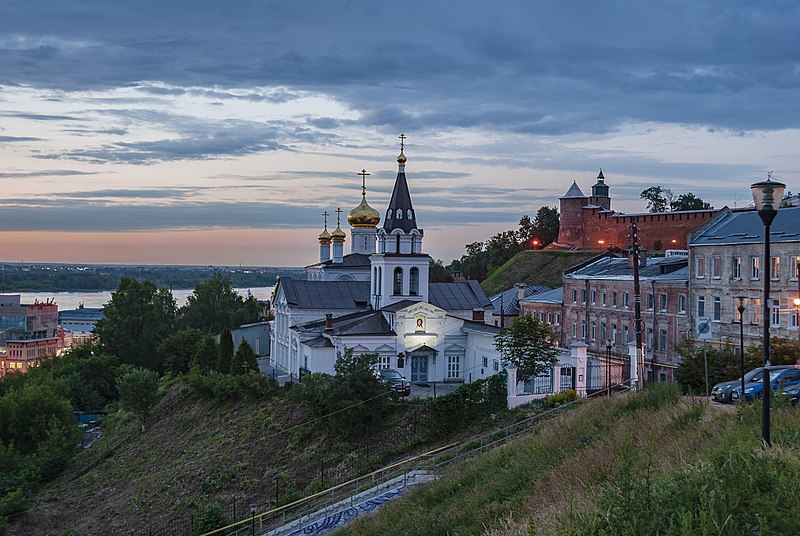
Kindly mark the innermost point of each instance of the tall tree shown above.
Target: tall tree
(528, 345)
(225, 351)
(138, 317)
(547, 224)
(438, 273)
(656, 199)
(206, 355)
(690, 201)
(138, 392)
(179, 348)
(214, 306)
(244, 360)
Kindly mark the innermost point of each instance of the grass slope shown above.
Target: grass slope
(651, 463)
(534, 268)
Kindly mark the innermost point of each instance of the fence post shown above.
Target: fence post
(234, 508)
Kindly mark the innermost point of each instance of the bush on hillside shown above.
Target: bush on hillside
(470, 402)
(231, 387)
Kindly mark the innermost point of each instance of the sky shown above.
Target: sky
(204, 132)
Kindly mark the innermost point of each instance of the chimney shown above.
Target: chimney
(521, 288)
(477, 315)
(642, 258)
(328, 322)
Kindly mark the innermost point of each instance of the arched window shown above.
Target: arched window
(414, 281)
(399, 213)
(410, 215)
(398, 281)
(388, 214)
(380, 280)
(397, 247)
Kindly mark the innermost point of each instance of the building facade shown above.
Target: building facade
(29, 333)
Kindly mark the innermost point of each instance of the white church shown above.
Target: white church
(377, 299)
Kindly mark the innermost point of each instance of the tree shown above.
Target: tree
(547, 224)
(245, 360)
(214, 306)
(691, 374)
(438, 273)
(225, 351)
(656, 199)
(528, 345)
(138, 317)
(527, 232)
(206, 355)
(138, 392)
(690, 202)
(179, 348)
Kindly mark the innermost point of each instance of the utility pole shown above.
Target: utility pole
(637, 304)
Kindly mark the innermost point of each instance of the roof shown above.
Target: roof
(459, 296)
(397, 306)
(326, 294)
(509, 299)
(745, 227)
(361, 323)
(574, 191)
(551, 296)
(661, 268)
(351, 260)
(400, 203)
(474, 325)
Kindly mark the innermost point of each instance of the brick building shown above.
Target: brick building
(589, 222)
(29, 333)
(727, 260)
(597, 304)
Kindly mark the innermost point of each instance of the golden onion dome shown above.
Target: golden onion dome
(363, 215)
(325, 237)
(338, 235)
(401, 159)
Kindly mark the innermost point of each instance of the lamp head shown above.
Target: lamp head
(767, 196)
(741, 303)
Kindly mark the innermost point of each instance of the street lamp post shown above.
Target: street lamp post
(741, 303)
(609, 344)
(253, 517)
(767, 196)
(796, 301)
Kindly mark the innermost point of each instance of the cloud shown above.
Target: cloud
(44, 173)
(15, 139)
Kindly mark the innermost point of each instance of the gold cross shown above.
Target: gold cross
(363, 181)
(325, 216)
(338, 216)
(402, 141)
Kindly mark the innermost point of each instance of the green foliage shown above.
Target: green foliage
(558, 399)
(138, 391)
(689, 201)
(206, 355)
(661, 199)
(231, 387)
(656, 198)
(466, 405)
(225, 351)
(27, 414)
(439, 273)
(208, 517)
(179, 348)
(245, 359)
(534, 268)
(138, 317)
(215, 306)
(529, 345)
(652, 398)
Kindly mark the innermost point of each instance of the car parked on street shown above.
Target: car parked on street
(779, 378)
(722, 391)
(395, 381)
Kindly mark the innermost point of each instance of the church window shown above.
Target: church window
(397, 250)
(389, 214)
(414, 281)
(398, 281)
(410, 215)
(399, 213)
(453, 366)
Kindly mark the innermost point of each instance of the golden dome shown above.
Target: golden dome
(363, 215)
(401, 159)
(325, 237)
(338, 235)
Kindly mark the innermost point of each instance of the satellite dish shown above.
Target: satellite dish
(703, 328)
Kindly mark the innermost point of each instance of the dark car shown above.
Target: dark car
(779, 378)
(722, 391)
(791, 392)
(395, 381)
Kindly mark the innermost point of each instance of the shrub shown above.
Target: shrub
(558, 399)
(229, 387)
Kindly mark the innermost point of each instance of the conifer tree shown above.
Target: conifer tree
(225, 351)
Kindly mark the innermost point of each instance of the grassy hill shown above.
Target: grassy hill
(534, 268)
(650, 463)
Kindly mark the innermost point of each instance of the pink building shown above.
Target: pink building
(29, 333)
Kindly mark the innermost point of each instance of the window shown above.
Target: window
(399, 213)
(558, 319)
(414, 281)
(736, 268)
(583, 295)
(614, 298)
(650, 338)
(756, 314)
(496, 365)
(594, 297)
(583, 329)
(793, 273)
(716, 267)
(574, 330)
(593, 327)
(775, 313)
(701, 306)
(793, 318)
(699, 266)
(398, 281)
(485, 362)
(603, 298)
(574, 296)
(626, 299)
(717, 309)
(650, 302)
(549, 317)
(682, 303)
(453, 366)
(603, 331)
(614, 332)
(754, 267)
(662, 303)
(662, 339)
(384, 362)
(775, 268)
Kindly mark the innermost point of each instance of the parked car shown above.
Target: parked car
(722, 391)
(395, 381)
(779, 378)
(791, 392)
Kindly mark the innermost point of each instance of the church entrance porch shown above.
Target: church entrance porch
(419, 368)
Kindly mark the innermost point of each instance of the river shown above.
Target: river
(72, 300)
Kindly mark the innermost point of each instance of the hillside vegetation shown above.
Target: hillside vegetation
(650, 463)
(534, 268)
